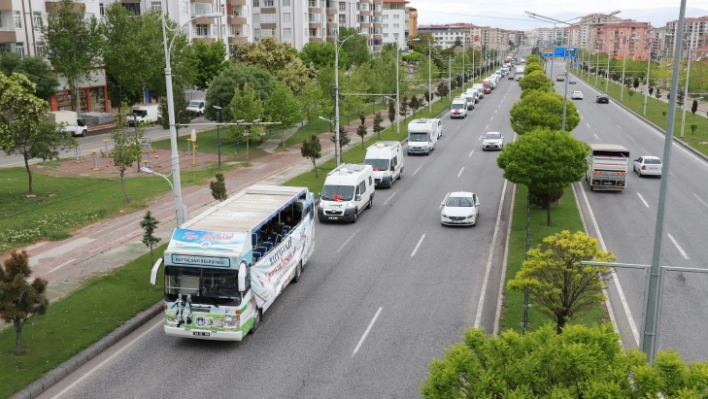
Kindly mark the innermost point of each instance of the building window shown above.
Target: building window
(385, 16)
(287, 33)
(286, 3)
(267, 32)
(378, 7)
(101, 9)
(313, 32)
(269, 3)
(255, 3)
(332, 32)
(314, 18)
(363, 6)
(232, 30)
(42, 50)
(396, 26)
(256, 18)
(17, 17)
(202, 30)
(342, 20)
(256, 34)
(156, 6)
(385, 26)
(385, 35)
(185, 8)
(202, 8)
(364, 30)
(37, 19)
(287, 17)
(312, 3)
(377, 31)
(89, 16)
(396, 16)
(342, 6)
(364, 19)
(132, 8)
(267, 18)
(20, 49)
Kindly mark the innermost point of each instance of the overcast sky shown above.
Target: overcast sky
(509, 14)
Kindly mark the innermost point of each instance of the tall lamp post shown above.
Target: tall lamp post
(685, 90)
(338, 46)
(218, 132)
(180, 209)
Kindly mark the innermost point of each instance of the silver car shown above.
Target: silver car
(459, 208)
(648, 166)
(492, 141)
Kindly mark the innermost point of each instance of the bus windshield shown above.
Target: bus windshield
(206, 286)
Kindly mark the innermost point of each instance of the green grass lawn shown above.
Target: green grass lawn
(655, 110)
(564, 217)
(75, 322)
(207, 141)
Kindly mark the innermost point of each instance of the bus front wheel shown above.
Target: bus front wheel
(256, 321)
(298, 272)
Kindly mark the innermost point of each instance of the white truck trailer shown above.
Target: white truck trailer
(607, 167)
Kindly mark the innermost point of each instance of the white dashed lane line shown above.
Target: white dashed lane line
(596, 136)
(642, 198)
(699, 198)
(416, 171)
(459, 174)
(418, 245)
(673, 240)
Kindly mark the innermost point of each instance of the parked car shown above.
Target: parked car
(602, 99)
(648, 165)
(459, 208)
(577, 95)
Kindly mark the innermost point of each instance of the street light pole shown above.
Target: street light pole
(430, 85)
(624, 66)
(337, 47)
(597, 66)
(646, 83)
(567, 68)
(463, 62)
(685, 90)
(398, 117)
(550, 87)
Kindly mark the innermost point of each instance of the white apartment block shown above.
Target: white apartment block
(446, 36)
(658, 44)
(395, 22)
(549, 36)
(695, 34)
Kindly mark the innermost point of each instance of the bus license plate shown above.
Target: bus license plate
(201, 333)
(333, 218)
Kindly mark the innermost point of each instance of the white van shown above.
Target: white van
(480, 89)
(386, 157)
(458, 109)
(471, 97)
(196, 107)
(492, 81)
(347, 191)
(146, 113)
(423, 134)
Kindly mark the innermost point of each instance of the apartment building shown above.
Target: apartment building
(695, 34)
(626, 38)
(447, 35)
(395, 26)
(658, 43)
(586, 34)
(412, 21)
(551, 36)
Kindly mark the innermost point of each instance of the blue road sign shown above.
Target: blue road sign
(488, 56)
(575, 63)
(564, 52)
(548, 54)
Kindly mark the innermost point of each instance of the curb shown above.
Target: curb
(60, 372)
(36, 388)
(652, 124)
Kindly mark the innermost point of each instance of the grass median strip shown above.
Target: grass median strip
(75, 322)
(565, 217)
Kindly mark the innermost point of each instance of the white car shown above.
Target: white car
(459, 208)
(492, 141)
(577, 95)
(648, 166)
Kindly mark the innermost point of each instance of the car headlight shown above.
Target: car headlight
(350, 205)
(444, 215)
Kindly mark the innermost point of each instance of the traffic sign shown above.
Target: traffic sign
(476, 38)
(564, 52)
(548, 54)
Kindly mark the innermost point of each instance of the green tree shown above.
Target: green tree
(310, 102)
(283, 107)
(355, 48)
(321, 54)
(635, 83)
(545, 161)
(377, 128)
(414, 104)
(218, 188)
(651, 91)
(529, 69)
(583, 362)
(458, 42)
(560, 287)
(312, 150)
(694, 127)
(182, 116)
(694, 107)
(20, 299)
(538, 109)
(442, 90)
(221, 91)
(391, 111)
(343, 137)
(657, 93)
(404, 106)
(536, 80)
(149, 224)
(246, 106)
(421, 74)
(126, 150)
(276, 58)
(680, 97)
(211, 60)
(37, 71)
(74, 43)
(23, 128)
(361, 132)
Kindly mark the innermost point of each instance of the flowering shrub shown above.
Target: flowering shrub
(47, 226)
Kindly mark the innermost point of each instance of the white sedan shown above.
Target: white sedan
(577, 95)
(648, 166)
(459, 208)
(492, 141)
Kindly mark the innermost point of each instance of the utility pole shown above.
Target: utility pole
(646, 83)
(464, 41)
(449, 75)
(597, 66)
(398, 98)
(685, 90)
(624, 64)
(607, 81)
(430, 69)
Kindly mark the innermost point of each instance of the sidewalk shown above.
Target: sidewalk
(112, 243)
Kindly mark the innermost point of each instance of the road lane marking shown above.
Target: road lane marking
(368, 329)
(495, 111)
(418, 245)
(460, 173)
(103, 363)
(683, 253)
(596, 136)
(615, 278)
(485, 281)
(60, 266)
(642, 198)
(470, 156)
(644, 150)
(396, 192)
(349, 239)
(416, 171)
(672, 174)
(587, 124)
(699, 198)
(486, 127)
(632, 138)
(618, 126)
(491, 118)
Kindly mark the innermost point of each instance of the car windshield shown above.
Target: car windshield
(194, 104)
(205, 285)
(459, 202)
(469, 98)
(337, 193)
(377, 164)
(652, 161)
(418, 137)
(492, 136)
(458, 106)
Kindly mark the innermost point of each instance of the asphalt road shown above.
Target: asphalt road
(626, 224)
(413, 284)
(95, 142)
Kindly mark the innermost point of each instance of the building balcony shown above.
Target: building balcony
(206, 40)
(332, 11)
(8, 35)
(315, 25)
(237, 20)
(5, 5)
(236, 2)
(238, 39)
(332, 25)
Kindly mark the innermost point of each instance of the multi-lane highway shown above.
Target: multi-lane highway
(625, 224)
(377, 301)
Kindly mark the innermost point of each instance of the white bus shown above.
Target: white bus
(607, 167)
(225, 267)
